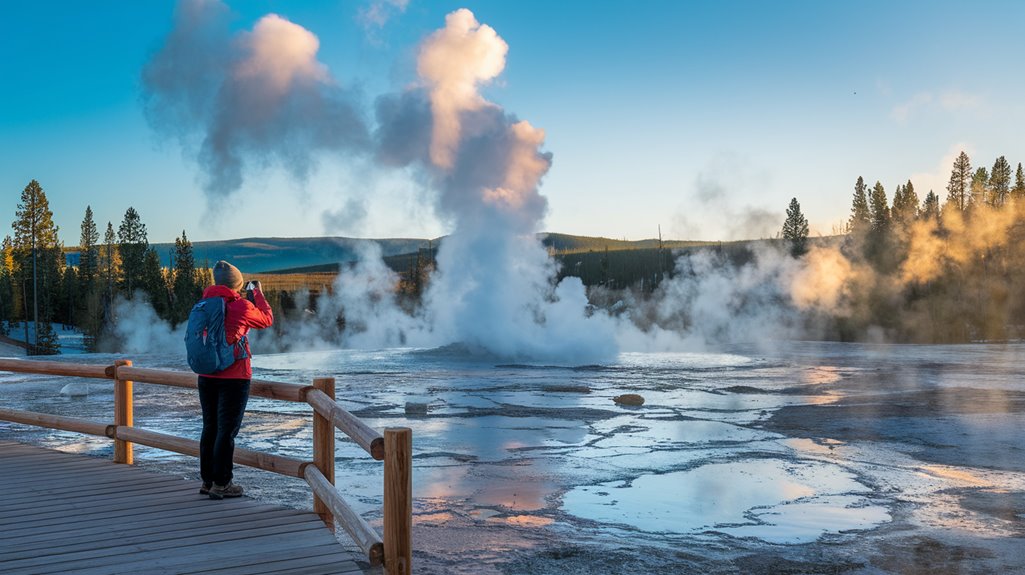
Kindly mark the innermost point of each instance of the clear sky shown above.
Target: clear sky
(703, 118)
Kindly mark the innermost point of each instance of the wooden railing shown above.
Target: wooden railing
(394, 448)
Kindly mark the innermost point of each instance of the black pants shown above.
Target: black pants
(224, 403)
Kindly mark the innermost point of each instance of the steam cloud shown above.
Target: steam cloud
(258, 97)
(263, 96)
(495, 285)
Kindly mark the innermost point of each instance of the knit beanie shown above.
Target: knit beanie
(228, 275)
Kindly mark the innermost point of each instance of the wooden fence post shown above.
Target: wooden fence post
(324, 448)
(398, 500)
(122, 413)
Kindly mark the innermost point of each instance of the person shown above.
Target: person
(223, 395)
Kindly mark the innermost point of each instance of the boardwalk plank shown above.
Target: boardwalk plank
(78, 500)
(27, 496)
(117, 553)
(219, 554)
(181, 513)
(54, 507)
(94, 516)
(75, 545)
(325, 567)
(144, 526)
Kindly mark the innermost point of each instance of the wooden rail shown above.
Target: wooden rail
(394, 550)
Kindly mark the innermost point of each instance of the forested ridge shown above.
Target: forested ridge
(911, 267)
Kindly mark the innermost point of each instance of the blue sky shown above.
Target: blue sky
(703, 118)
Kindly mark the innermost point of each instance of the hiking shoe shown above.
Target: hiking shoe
(221, 491)
(205, 489)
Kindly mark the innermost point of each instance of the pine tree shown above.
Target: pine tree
(1018, 192)
(860, 218)
(38, 257)
(896, 211)
(186, 288)
(879, 208)
(89, 252)
(930, 207)
(110, 261)
(795, 229)
(905, 204)
(1000, 182)
(154, 284)
(7, 299)
(959, 187)
(980, 187)
(911, 203)
(132, 245)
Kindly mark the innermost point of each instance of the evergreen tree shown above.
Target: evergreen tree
(1000, 182)
(905, 205)
(1018, 192)
(795, 229)
(7, 297)
(959, 187)
(38, 257)
(186, 288)
(72, 297)
(860, 218)
(132, 245)
(46, 340)
(110, 261)
(980, 187)
(930, 207)
(89, 252)
(153, 283)
(879, 209)
(911, 202)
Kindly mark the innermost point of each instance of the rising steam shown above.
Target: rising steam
(495, 285)
(259, 97)
(262, 96)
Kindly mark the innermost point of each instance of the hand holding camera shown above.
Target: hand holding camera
(252, 287)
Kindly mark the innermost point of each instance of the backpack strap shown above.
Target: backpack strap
(243, 346)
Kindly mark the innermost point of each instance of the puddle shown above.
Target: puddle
(769, 499)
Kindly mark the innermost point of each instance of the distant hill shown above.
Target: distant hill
(263, 255)
(567, 244)
(327, 254)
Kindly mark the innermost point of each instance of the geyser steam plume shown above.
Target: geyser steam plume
(495, 284)
(262, 96)
(259, 96)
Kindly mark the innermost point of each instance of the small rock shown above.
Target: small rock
(416, 408)
(629, 399)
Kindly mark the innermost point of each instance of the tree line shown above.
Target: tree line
(38, 284)
(932, 270)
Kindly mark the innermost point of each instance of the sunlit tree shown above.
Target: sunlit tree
(1018, 191)
(930, 207)
(959, 187)
(980, 188)
(860, 218)
(879, 208)
(1000, 182)
(795, 229)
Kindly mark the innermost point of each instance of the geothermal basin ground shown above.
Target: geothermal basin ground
(806, 458)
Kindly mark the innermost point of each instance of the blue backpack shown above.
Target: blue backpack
(206, 343)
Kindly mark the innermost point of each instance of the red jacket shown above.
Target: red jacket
(239, 316)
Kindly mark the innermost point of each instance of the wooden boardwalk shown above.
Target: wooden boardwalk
(68, 513)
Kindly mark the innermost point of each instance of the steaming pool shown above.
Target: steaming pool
(820, 457)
